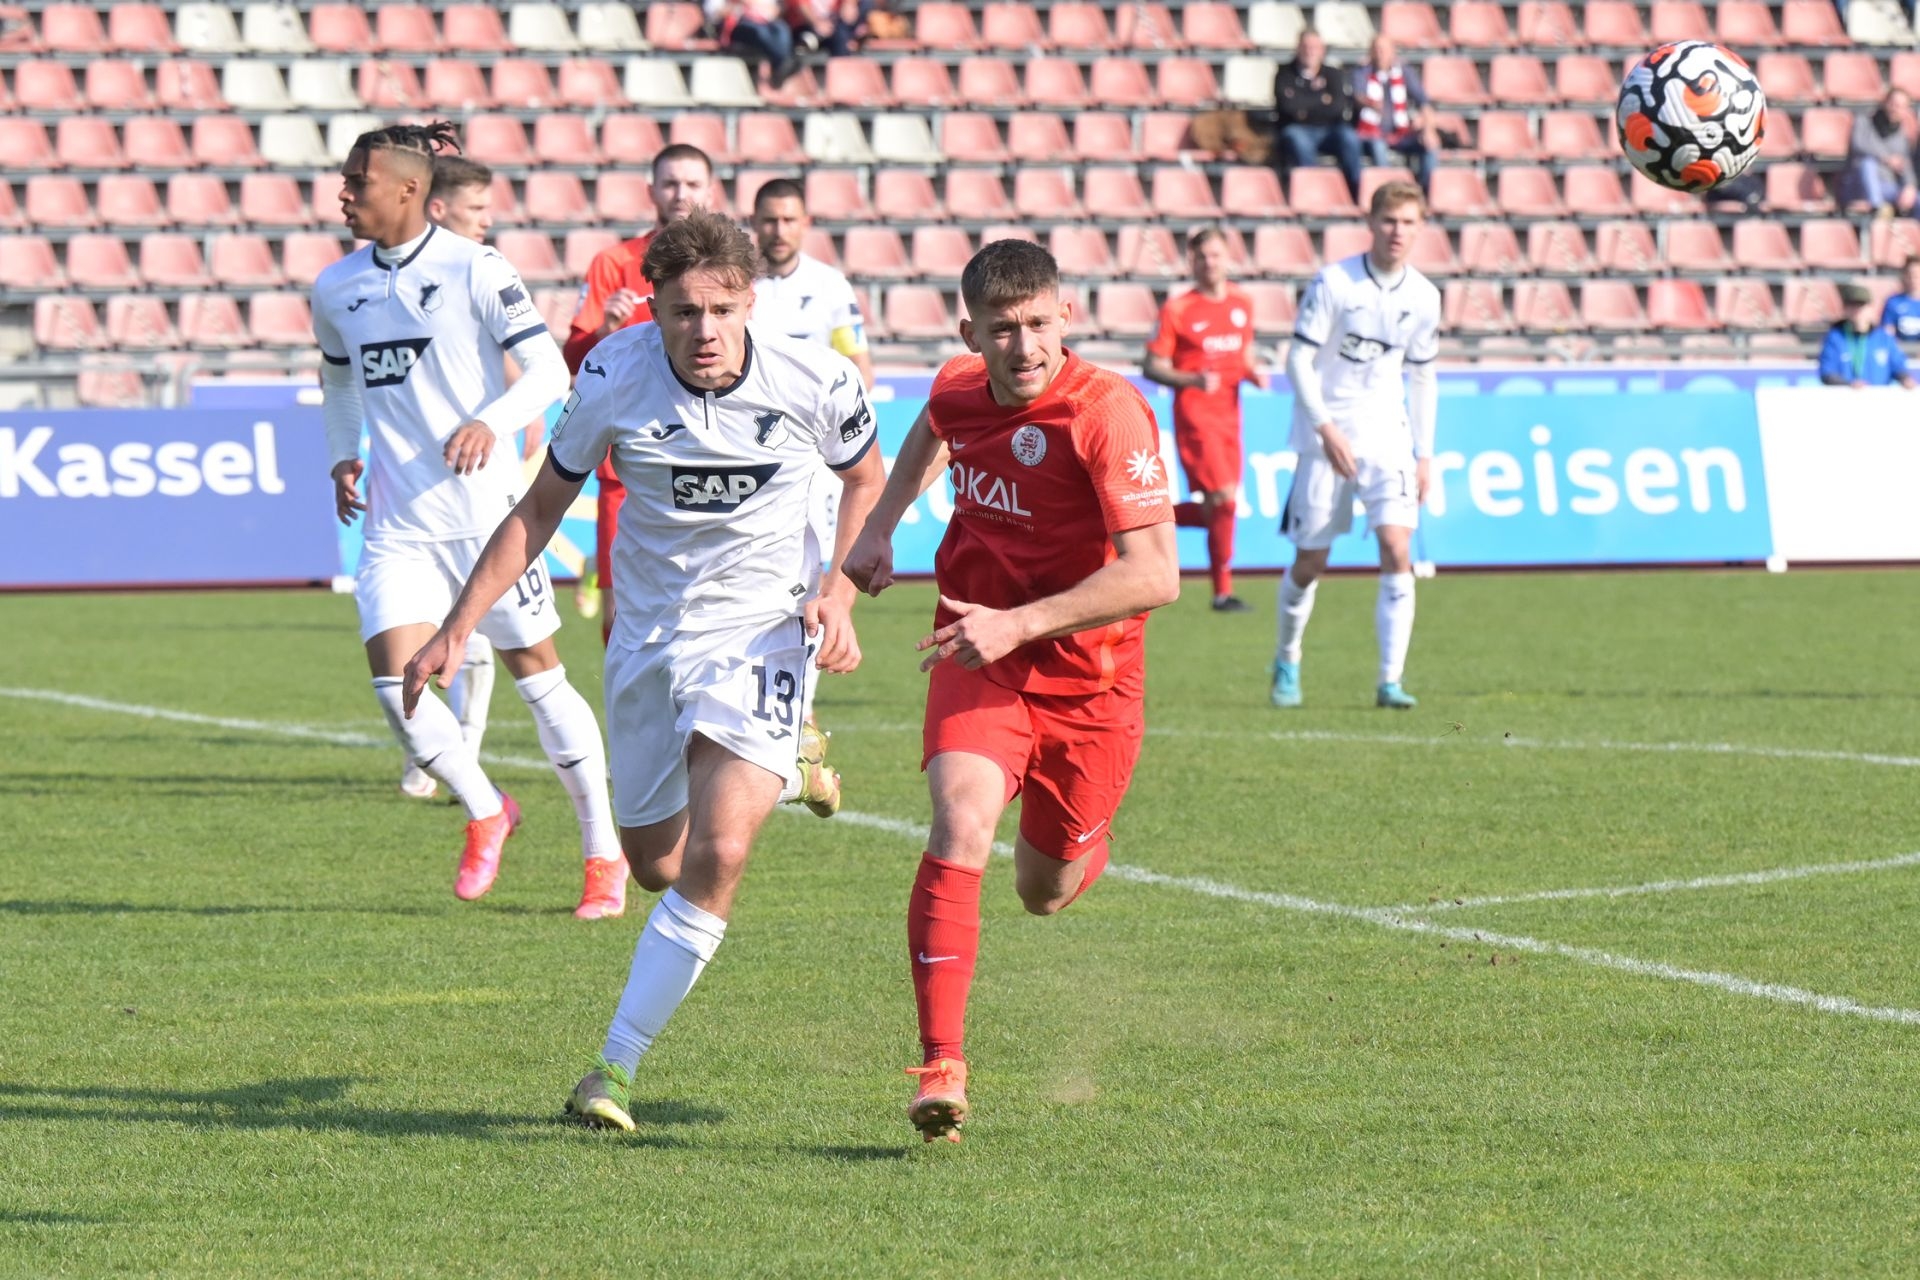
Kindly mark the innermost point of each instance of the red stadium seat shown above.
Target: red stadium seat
(566, 140)
(1462, 193)
(1810, 304)
(1558, 248)
(1546, 24)
(946, 26)
(1273, 309)
(834, 195)
(224, 142)
(200, 200)
(677, 26)
(272, 200)
(11, 218)
(139, 323)
(45, 86)
(88, 142)
(1146, 28)
(1213, 27)
(451, 84)
(97, 387)
(1507, 135)
(1079, 27)
(1652, 200)
(1284, 251)
(1038, 137)
(704, 130)
(1574, 135)
(115, 84)
(1812, 22)
(991, 80)
(941, 252)
(970, 137)
(1616, 24)
(59, 202)
(27, 264)
(280, 320)
(1611, 306)
(72, 28)
(1745, 24)
(589, 84)
(1762, 245)
(583, 245)
(474, 28)
(1854, 76)
(1012, 28)
(1164, 135)
(1454, 82)
(1824, 131)
(169, 260)
(903, 195)
(624, 199)
(1581, 79)
(1672, 20)
(1251, 191)
(1478, 24)
(1183, 194)
(1595, 191)
(1345, 240)
(1185, 83)
(556, 199)
(1116, 192)
(305, 254)
(1489, 249)
(917, 312)
(325, 205)
(1544, 306)
(522, 84)
(406, 28)
(1150, 252)
(1696, 246)
(1433, 253)
(340, 28)
(1412, 25)
(1779, 141)
(1788, 78)
(1746, 305)
(1519, 79)
(25, 144)
(1125, 310)
(631, 139)
(183, 85)
(1678, 305)
(499, 141)
(1081, 251)
(212, 321)
(1044, 194)
(768, 138)
(840, 194)
(1102, 135)
(919, 82)
(1828, 244)
(62, 323)
(1056, 83)
(386, 84)
(1796, 188)
(140, 28)
(244, 260)
(857, 82)
(531, 253)
(877, 253)
(1118, 82)
(1320, 193)
(1625, 248)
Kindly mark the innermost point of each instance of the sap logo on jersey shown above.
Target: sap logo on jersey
(718, 488)
(136, 468)
(387, 364)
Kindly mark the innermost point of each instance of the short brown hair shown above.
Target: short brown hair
(1006, 272)
(1200, 235)
(451, 173)
(681, 151)
(780, 189)
(702, 240)
(1392, 195)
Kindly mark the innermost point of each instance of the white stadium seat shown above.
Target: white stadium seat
(611, 28)
(723, 82)
(274, 28)
(292, 142)
(1248, 81)
(835, 137)
(541, 28)
(322, 84)
(655, 82)
(254, 86)
(206, 28)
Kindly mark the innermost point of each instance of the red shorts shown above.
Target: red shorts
(1210, 456)
(606, 518)
(1071, 756)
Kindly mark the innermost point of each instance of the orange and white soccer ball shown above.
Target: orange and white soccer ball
(1691, 115)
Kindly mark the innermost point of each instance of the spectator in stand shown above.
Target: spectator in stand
(837, 26)
(1902, 312)
(756, 32)
(1314, 109)
(1395, 117)
(1879, 176)
(1860, 352)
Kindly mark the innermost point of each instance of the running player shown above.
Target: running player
(714, 428)
(1203, 348)
(412, 329)
(1362, 431)
(1061, 541)
(615, 295)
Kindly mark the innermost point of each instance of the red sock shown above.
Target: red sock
(1096, 863)
(1190, 515)
(1220, 548)
(943, 936)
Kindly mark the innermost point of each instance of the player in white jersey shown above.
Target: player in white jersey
(1364, 402)
(413, 328)
(719, 598)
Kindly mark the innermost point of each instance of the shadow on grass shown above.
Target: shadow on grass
(314, 1103)
(58, 907)
(855, 1155)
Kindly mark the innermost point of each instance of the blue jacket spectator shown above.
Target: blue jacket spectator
(1902, 311)
(1859, 352)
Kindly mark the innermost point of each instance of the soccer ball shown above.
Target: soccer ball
(1691, 115)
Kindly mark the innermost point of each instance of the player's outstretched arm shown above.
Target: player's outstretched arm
(523, 535)
(830, 614)
(868, 564)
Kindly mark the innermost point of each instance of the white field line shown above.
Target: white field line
(1381, 917)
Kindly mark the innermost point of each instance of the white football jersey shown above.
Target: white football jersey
(1366, 332)
(812, 302)
(424, 336)
(714, 529)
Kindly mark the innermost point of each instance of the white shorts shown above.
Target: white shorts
(1320, 503)
(401, 583)
(744, 688)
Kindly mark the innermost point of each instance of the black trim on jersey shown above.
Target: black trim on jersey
(1301, 337)
(571, 477)
(1366, 260)
(523, 335)
(746, 367)
(334, 359)
(855, 459)
(1411, 360)
(395, 267)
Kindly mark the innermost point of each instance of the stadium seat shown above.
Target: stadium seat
(1546, 24)
(211, 321)
(1617, 24)
(274, 27)
(498, 140)
(1320, 193)
(1824, 131)
(340, 28)
(556, 199)
(200, 200)
(531, 252)
(1184, 83)
(1611, 306)
(835, 137)
(834, 195)
(157, 140)
(11, 217)
(117, 85)
(1164, 135)
(607, 26)
(768, 138)
(1148, 251)
(305, 254)
(1788, 78)
(185, 85)
(1625, 248)
(46, 86)
(1079, 28)
(905, 138)
(58, 202)
(387, 84)
(1903, 72)
(901, 195)
(1001, 231)
(1679, 305)
(1558, 248)
(25, 144)
(1454, 81)
(1507, 135)
(521, 84)
(1478, 24)
(1248, 82)
(946, 26)
(1486, 249)
(1011, 28)
(1581, 79)
(656, 83)
(1779, 141)
(1118, 82)
(325, 204)
(854, 82)
(1147, 28)
(975, 195)
(286, 142)
(1283, 250)
(1251, 191)
(1055, 83)
(1796, 188)
(1124, 309)
(72, 28)
(65, 323)
(1213, 28)
(582, 245)
(169, 260)
(455, 85)
(140, 29)
(1812, 22)
(321, 84)
(1519, 79)
(917, 312)
(1853, 76)
(589, 84)
(1574, 135)
(1695, 246)
(1045, 194)
(723, 82)
(1745, 24)
(1651, 200)
(565, 140)
(705, 131)
(1763, 245)
(677, 26)
(1544, 306)
(1745, 305)
(632, 139)
(1345, 23)
(535, 28)
(249, 85)
(1275, 24)
(1273, 307)
(941, 252)
(1826, 244)
(800, 92)
(1097, 136)
(918, 83)
(1413, 26)
(1183, 194)
(1344, 240)
(243, 260)
(27, 264)
(1462, 193)
(624, 199)
(406, 28)
(1433, 253)
(1595, 190)
(206, 28)
(1810, 303)
(140, 323)
(279, 320)
(877, 253)
(272, 200)
(1669, 21)
(226, 142)
(972, 137)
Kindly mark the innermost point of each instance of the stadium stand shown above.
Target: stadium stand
(174, 161)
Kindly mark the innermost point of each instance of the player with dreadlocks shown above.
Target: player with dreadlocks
(412, 329)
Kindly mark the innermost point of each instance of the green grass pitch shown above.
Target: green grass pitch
(247, 1030)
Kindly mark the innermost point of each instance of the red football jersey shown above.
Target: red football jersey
(1199, 333)
(1038, 491)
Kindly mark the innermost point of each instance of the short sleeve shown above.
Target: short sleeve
(1161, 343)
(1314, 324)
(848, 427)
(1424, 345)
(584, 431)
(501, 302)
(1118, 442)
(847, 328)
(332, 349)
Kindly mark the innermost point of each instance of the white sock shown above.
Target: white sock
(674, 947)
(432, 740)
(1393, 621)
(1295, 607)
(475, 690)
(571, 737)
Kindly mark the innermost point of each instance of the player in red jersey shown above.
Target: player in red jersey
(616, 294)
(1061, 540)
(1203, 348)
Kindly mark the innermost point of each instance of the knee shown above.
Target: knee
(962, 838)
(1042, 902)
(654, 875)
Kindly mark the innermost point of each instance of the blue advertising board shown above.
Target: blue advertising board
(108, 498)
